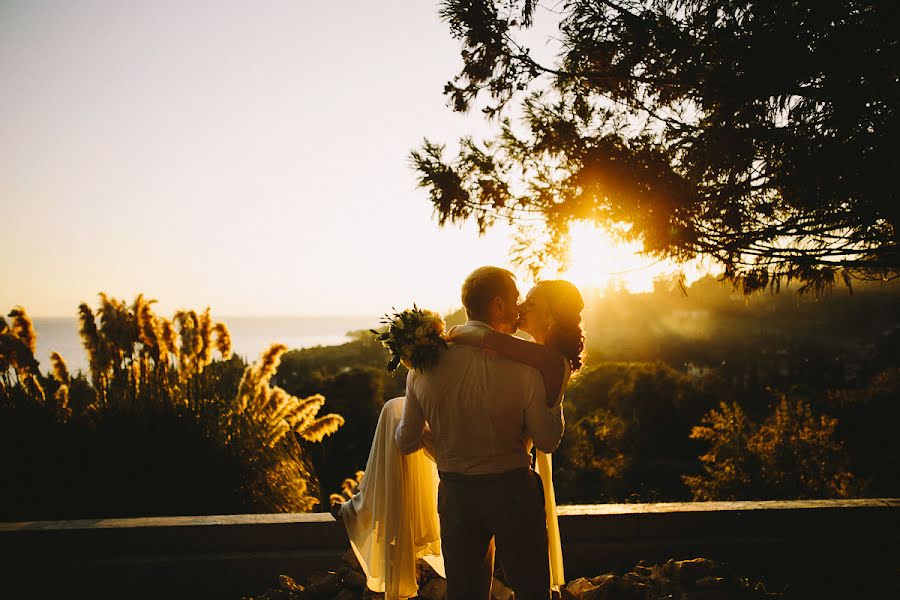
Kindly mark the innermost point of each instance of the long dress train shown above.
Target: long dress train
(392, 521)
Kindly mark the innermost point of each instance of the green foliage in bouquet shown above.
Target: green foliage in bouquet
(414, 337)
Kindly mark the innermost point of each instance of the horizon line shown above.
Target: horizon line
(243, 316)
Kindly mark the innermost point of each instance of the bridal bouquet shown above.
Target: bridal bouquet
(415, 337)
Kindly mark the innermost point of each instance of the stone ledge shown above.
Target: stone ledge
(225, 556)
(742, 505)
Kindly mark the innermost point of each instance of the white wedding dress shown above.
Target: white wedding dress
(393, 520)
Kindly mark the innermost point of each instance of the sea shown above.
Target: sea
(250, 336)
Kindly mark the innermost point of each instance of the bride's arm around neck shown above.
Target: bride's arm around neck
(550, 363)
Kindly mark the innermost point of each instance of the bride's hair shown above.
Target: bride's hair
(566, 335)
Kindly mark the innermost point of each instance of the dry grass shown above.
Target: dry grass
(143, 366)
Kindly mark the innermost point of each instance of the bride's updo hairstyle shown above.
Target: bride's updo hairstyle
(566, 334)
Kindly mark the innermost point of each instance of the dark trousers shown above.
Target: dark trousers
(481, 512)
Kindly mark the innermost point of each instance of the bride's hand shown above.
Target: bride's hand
(470, 335)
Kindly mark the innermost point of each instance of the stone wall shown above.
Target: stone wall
(228, 556)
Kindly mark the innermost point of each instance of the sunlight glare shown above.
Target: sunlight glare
(598, 262)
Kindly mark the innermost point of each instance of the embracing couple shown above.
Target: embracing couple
(450, 476)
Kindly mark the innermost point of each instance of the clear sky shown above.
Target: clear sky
(249, 156)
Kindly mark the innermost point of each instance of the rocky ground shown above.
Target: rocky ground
(695, 579)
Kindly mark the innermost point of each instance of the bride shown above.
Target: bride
(392, 521)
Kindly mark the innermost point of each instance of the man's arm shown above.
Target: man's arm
(544, 425)
(410, 430)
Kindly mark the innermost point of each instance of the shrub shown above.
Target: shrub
(791, 454)
(160, 428)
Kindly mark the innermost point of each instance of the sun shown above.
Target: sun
(598, 262)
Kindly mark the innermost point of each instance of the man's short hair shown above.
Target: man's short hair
(483, 285)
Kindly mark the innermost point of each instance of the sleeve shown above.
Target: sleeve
(410, 430)
(544, 425)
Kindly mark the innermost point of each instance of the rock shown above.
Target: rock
(643, 570)
(351, 561)
(500, 591)
(323, 586)
(667, 587)
(621, 588)
(565, 594)
(694, 569)
(436, 589)
(611, 587)
(710, 582)
(576, 586)
(424, 571)
(354, 580)
(288, 584)
(635, 577)
(583, 589)
(599, 580)
(641, 591)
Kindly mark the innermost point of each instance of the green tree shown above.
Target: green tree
(762, 135)
(867, 421)
(592, 460)
(792, 454)
(628, 433)
(729, 469)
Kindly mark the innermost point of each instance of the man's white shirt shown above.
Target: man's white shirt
(482, 411)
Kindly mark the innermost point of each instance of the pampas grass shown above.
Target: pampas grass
(261, 416)
(204, 333)
(349, 487)
(151, 374)
(223, 340)
(59, 368)
(60, 373)
(23, 328)
(306, 409)
(276, 410)
(17, 344)
(5, 361)
(321, 428)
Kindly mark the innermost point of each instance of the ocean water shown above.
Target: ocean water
(250, 336)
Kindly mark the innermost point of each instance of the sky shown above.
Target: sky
(248, 156)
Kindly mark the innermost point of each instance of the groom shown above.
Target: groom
(481, 413)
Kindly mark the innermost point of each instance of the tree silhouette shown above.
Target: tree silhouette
(762, 135)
